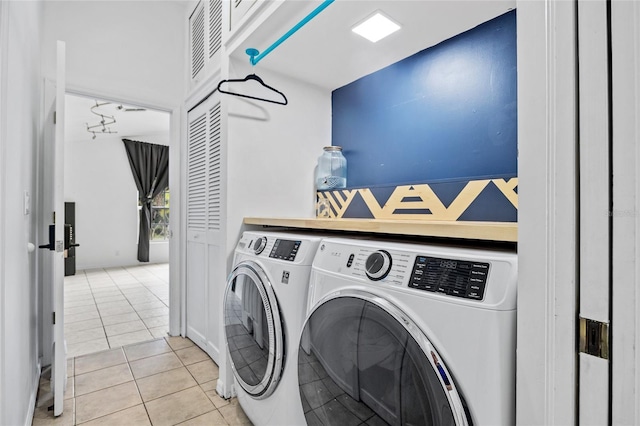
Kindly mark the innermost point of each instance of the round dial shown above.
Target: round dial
(378, 265)
(259, 245)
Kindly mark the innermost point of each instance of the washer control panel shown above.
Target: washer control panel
(285, 249)
(459, 278)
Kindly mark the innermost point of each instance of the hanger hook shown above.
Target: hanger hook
(252, 55)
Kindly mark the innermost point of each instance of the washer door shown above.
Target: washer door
(362, 360)
(253, 330)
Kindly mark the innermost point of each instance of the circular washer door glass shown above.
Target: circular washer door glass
(253, 330)
(357, 364)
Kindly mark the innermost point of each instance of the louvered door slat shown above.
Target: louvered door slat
(196, 22)
(215, 26)
(213, 204)
(196, 174)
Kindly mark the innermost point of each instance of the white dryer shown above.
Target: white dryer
(264, 308)
(409, 334)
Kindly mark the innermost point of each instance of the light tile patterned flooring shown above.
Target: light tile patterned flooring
(167, 381)
(117, 373)
(108, 308)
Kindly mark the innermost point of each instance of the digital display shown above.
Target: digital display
(449, 264)
(285, 249)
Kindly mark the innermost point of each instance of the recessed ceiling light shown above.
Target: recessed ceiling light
(376, 27)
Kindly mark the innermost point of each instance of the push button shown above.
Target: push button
(475, 290)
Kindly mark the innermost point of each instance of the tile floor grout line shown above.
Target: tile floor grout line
(144, 405)
(107, 282)
(110, 281)
(210, 408)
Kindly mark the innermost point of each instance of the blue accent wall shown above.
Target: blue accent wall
(447, 112)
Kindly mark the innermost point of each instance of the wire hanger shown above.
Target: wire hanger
(252, 77)
(255, 56)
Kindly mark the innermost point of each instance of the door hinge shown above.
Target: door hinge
(55, 117)
(594, 338)
(54, 317)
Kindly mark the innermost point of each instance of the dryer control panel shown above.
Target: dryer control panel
(459, 278)
(285, 249)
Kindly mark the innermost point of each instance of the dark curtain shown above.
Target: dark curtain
(150, 166)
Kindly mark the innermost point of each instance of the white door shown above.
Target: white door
(196, 225)
(53, 254)
(206, 269)
(625, 332)
(595, 215)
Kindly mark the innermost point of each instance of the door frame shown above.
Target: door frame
(547, 213)
(4, 40)
(176, 265)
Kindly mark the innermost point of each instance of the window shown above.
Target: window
(160, 217)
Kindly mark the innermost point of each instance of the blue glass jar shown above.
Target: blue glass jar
(331, 172)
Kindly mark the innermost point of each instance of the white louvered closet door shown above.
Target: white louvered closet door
(205, 39)
(197, 41)
(215, 262)
(204, 237)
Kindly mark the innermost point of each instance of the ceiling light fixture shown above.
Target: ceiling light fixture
(105, 121)
(376, 27)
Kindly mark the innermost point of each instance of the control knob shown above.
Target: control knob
(259, 245)
(378, 265)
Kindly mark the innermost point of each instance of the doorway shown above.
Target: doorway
(112, 299)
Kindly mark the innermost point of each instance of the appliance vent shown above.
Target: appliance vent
(213, 207)
(196, 173)
(196, 22)
(215, 27)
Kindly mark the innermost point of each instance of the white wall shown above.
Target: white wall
(98, 179)
(123, 49)
(272, 155)
(20, 127)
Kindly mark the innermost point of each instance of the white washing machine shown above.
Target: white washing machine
(408, 334)
(264, 308)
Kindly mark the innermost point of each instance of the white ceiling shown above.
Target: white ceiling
(324, 52)
(327, 53)
(128, 123)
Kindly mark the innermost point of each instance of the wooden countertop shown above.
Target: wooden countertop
(488, 231)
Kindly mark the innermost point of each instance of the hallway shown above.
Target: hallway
(113, 307)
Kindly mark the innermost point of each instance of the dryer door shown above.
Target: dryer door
(362, 360)
(253, 330)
